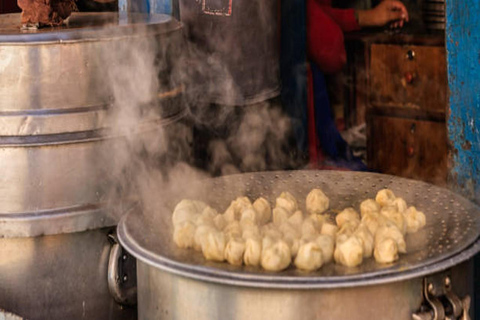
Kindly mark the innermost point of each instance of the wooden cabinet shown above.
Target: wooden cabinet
(407, 147)
(408, 76)
(407, 94)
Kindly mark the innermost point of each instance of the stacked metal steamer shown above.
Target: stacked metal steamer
(58, 150)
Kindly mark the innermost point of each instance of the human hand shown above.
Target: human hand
(387, 11)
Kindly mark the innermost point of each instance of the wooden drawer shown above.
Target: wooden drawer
(410, 148)
(408, 76)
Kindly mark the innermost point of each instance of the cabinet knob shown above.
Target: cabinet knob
(410, 55)
(409, 77)
(410, 151)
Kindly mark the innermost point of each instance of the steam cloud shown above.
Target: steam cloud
(155, 151)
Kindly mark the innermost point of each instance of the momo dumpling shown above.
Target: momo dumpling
(234, 251)
(390, 230)
(392, 214)
(317, 201)
(400, 204)
(373, 221)
(348, 251)
(219, 222)
(309, 257)
(386, 251)
(276, 257)
(327, 244)
(270, 230)
(213, 246)
(263, 209)
(369, 206)
(296, 219)
(233, 230)
(347, 215)
(187, 210)
(287, 201)
(249, 214)
(329, 229)
(236, 208)
(309, 227)
(385, 197)
(253, 252)
(184, 234)
(209, 213)
(250, 231)
(415, 219)
(200, 233)
(367, 240)
(280, 215)
(348, 228)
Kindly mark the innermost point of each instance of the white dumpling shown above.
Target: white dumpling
(184, 234)
(373, 221)
(327, 244)
(219, 222)
(200, 233)
(202, 220)
(309, 257)
(367, 240)
(187, 210)
(288, 230)
(415, 219)
(263, 209)
(392, 214)
(236, 208)
(309, 227)
(329, 229)
(270, 230)
(348, 228)
(209, 212)
(385, 197)
(386, 251)
(347, 215)
(318, 220)
(296, 219)
(249, 215)
(276, 257)
(390, 230)
(317, 201)
(369, 206)
(213, 246)
(348, 251)
(280, 215)
(253, 252)
(400, 204)
(250, 231)
(234, 251)
(287, 201)
(233, 230)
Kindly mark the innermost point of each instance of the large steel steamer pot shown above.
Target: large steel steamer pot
(431, 281)
(58, 256)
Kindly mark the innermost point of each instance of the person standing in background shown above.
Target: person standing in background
(327, 55)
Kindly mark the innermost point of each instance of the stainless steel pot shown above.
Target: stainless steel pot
(180, 284)
(60, 148)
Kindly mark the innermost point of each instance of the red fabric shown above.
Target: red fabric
(325, 27)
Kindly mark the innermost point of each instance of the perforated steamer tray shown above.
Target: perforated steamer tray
(453, 224)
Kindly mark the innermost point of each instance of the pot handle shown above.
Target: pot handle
(121, 275)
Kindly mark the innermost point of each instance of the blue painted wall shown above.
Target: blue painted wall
(463, 63)
(463, 60)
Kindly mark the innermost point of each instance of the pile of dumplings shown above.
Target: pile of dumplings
(254, 234)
